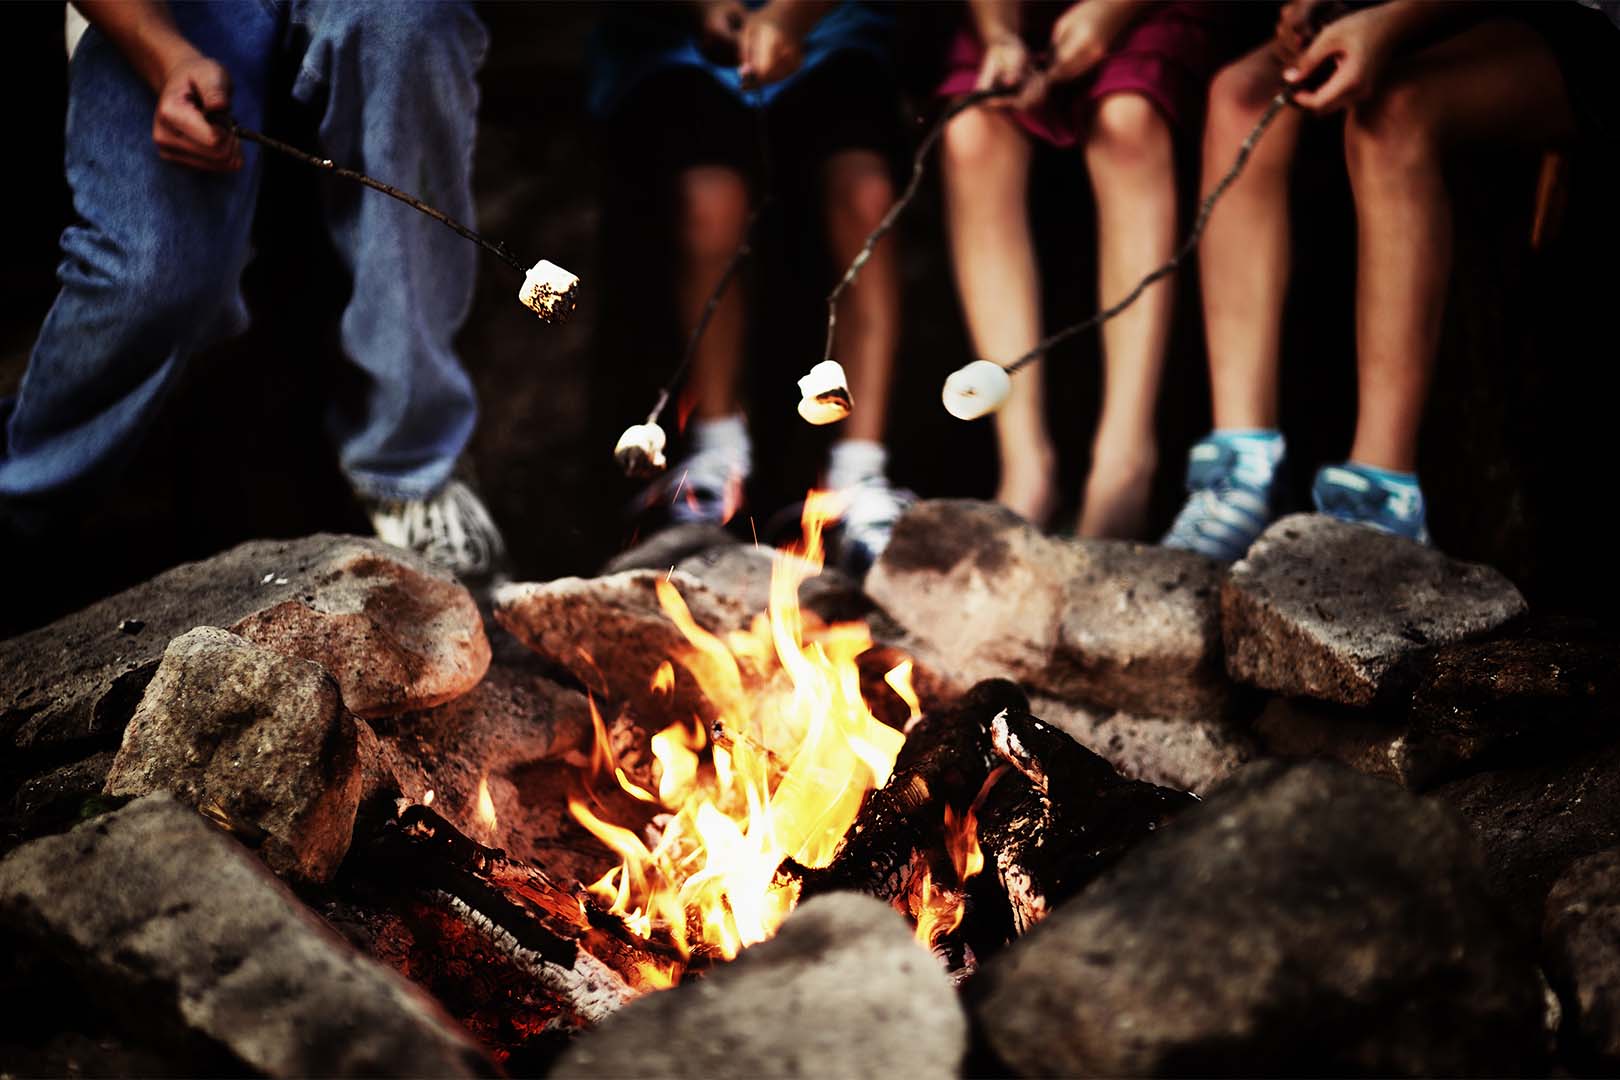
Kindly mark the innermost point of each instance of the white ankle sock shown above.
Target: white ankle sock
(853, 461)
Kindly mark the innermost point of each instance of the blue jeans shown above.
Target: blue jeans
(151, 269)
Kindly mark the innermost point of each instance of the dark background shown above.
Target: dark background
(1518, 445)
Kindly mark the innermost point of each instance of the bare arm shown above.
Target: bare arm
(1360, 46)
(185, 81)
(772, 44)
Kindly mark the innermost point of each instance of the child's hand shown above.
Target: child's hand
(770, 49)
(1081, 36)
(1007, 63)
(720, 24)
(1359, 46)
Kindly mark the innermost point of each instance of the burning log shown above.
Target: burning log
(1064, 819)
(944, 762)
(591, 965)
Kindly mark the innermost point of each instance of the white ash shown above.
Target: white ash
(549, 291)
(593, 989)
(824, 394)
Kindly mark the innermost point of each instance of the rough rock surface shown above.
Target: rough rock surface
(1322, 608)
(1369, 741)
(1581, 950)
(1535, 820)
(612, 634)
(668, 547)
(1119, 625)
(1306, 919)
(1188, 755)
(255, 737)
(514, 721)
(743, 572)
(1485, 701)
(842, 990)
(396, 633)
(80, 677)
(176, 928)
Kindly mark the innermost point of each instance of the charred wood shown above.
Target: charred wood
(944, 761)
(594, 965)
(1063, 818)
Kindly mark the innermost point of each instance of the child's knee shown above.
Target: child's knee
(1238, 95)
(859, 189)
(1128, 129)
(1395, 128)
(973, 139)
(713, 211)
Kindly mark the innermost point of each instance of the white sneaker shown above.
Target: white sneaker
(871, 509)
(706, 487)
(453, 529)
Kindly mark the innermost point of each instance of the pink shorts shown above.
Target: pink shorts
(1168, 56)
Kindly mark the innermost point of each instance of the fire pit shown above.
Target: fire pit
(718, 812)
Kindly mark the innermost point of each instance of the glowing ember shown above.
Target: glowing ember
(783, 775)
(427, 798)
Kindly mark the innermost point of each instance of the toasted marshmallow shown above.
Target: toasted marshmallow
(825, 393)
(976, 390)
(549, 291)
(641, 450)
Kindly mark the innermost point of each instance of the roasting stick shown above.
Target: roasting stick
(980, 387)
(548, 290)
(640, 450)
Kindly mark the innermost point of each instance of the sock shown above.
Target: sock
(725, 437)
(853, 461)
(1262, 444)
(1259, 450)
(1389, 478)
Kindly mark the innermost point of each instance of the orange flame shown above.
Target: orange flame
(484, 808)
(784, 776)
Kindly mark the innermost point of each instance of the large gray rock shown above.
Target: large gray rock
(80, 677)
(1483, 701)
(1367, 740)
(1188, 755)
(394, 631)
(612, 634)
(665, 549)
(1306, 919)
(259, 739)
(1326, 609)
(175, 929)
(1124, 626)
(499, 734)
(1581, 950)
(742, 572)
(1533, 821)
(842, 990)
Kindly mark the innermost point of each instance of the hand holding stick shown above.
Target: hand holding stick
(548, 290)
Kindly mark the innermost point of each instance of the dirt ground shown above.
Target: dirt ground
(1515, 447)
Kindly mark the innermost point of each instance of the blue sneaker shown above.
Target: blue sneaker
(1387, 501)
(870, 511)
(1229, 482)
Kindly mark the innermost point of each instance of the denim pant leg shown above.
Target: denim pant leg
(396, 89)
(149, 269)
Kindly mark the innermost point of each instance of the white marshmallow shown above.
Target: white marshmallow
(549, 291)
(976, 390)
(641, 450)
(825, 393)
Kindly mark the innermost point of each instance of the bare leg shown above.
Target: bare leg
(713, 217)
(1243, 258)
(986, 161)
(1493, 83)
(858, 192)
(1131, 160)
